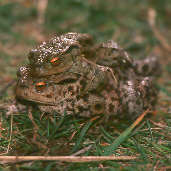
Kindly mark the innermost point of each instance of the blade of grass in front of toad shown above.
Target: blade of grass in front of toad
(82, 134)
(106, 134)
(111, 148)
(56, 126)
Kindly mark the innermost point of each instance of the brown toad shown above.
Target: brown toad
(57, 54)
(77, 76)
(70, 92)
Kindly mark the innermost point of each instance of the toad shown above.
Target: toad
(72, 74)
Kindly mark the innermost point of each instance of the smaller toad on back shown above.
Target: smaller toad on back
(57, 54)
(71, 73)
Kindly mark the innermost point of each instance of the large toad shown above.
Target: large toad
(72, 74)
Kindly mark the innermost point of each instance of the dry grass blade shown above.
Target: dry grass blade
(9, 159)
(10, 138)
(82, 151)
(159, 36)
(41, 8)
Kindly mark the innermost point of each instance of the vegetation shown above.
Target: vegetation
(133, 25)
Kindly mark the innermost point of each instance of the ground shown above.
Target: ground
(142, 28)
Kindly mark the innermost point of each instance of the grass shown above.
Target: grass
(127, 23)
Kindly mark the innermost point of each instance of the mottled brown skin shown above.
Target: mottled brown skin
(135, 77)
(64, 92)
(66, 47)
(94, 75)
(86, 78)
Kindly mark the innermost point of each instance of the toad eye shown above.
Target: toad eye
(54, 61)
(40, 86)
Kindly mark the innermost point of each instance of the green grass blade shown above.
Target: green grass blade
(81, 135)
(109, 150)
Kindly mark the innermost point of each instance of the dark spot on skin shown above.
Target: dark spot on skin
(98, 107)
(125, 107)
(126, 104)
(125, 95)
(70, 88)
(78, 97)
(53, 88)
(112, 98)
(145, 68)
(83, 84)
(68, 108)
(111, 107)
(89, 106)
(72, 104)
(80, 108)
(122, 90)
(62, 104)
(138, 102)
(78, 89)
(64, 93)
(49, 96)
(67, 81)
(73, 50)
(85, 97)
(120, 100)
(110, 52)
(148, 97)
(109, 88)
(69, 100)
